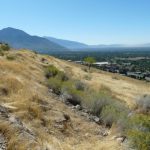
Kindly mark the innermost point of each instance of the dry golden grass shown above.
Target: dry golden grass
(23, 91)
(124, 88)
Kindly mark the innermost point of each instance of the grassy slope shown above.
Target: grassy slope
(27, 97)
(124, 88)
(24, 94)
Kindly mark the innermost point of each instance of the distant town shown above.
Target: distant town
(125, 69)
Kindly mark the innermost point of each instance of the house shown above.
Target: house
(99, 64)
(136, 75)
(147, 79)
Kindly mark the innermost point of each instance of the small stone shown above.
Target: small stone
(121, 139)
(78, 107)
(105, 134)
(96, 119)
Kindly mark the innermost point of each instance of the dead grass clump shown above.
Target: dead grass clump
(10, 85)
(11, 136)
(143, 104)
(51, 71)
(85, 69)
(34, 112)
(88, 77)
(3, 91)
(10, 57)
(105, 89)
(80, 85)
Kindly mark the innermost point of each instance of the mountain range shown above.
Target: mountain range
(19, 39)
(67, 43)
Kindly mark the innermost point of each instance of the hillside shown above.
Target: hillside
(31, 114)
(19, 39)
(67, 43)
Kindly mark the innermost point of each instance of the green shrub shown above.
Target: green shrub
(99, 104)
(62, 76)
(143, 103)
(109, 115)
(114, 113)
(71, 94)
(55, 85)
(51, 71)
(1, 52)
(79, 85)
(10, 57)
(139, 132)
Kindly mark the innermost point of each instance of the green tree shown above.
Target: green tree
(89, 61)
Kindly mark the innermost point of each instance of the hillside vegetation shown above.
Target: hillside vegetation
(50, 104)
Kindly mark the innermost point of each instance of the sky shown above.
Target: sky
(87, 21)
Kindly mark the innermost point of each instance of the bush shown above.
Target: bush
(62, 76)
(51, 71)
(55, 85)
(79, 85)
(114, 113)
(143, 103)
(10, 57)
(139, 132)
(98, 104)
(35, 112)
(71, 94)
(109, 115)
(87, 77)
(75, 97)
(1, 52)
(84, 69)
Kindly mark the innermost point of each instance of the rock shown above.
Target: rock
(96, 119)
(3, 142)
(121, 139)
(105, 133)
(4, 112)
(78, 107)
(85, 110)
(84, 114)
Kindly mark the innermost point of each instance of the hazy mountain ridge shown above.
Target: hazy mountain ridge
(67, 43)
(20, 39)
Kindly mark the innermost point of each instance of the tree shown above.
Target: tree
(89, 61)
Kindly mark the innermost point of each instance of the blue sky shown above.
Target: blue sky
(88, 21)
